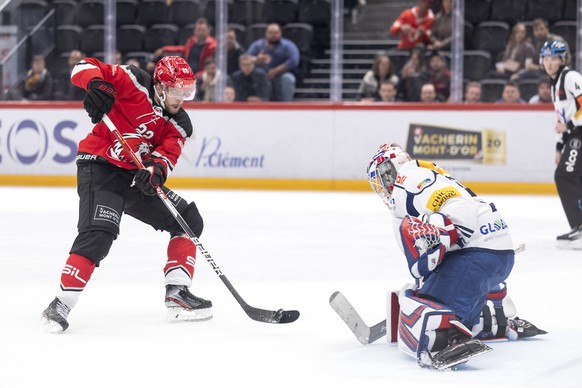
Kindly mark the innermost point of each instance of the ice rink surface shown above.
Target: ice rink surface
(287, 250)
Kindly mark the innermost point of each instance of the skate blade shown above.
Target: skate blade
(569, 244)
(461, 360)
(178, 314)
(51, 327)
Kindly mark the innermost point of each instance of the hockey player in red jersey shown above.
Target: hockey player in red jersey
(148, 113)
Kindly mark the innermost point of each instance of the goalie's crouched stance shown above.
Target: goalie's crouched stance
(462, 301)
(102, 204)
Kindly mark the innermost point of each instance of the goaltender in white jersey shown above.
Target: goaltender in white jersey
(459, 249)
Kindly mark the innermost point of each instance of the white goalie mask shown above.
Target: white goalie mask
(384, 167)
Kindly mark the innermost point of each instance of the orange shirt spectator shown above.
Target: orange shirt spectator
(414, 25)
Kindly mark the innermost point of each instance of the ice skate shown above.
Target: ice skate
(571, 240)
(523, 328)
(184, 306)
(54, 317)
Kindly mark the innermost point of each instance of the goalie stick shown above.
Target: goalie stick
(368, 334)
(257, 314)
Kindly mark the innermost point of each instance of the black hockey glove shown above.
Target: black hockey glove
(99, 99)
(147, 181)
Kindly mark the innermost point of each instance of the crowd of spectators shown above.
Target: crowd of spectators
(267, 69)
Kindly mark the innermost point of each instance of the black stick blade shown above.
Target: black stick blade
(288, 316)
(269, 316)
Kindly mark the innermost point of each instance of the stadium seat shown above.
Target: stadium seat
(492, 89)
(468, 37)
(476, 65)
(550, 10)
(160, 35)
(398, 59)
(152, 12)
(248, 11)
(67, 38)
(477, 11)
(92, 39)
(183, 12)
(301, 34)
(65, 12)
(254, 32)
(510, 11)
(210, 11)
(126, 11)
(567, 30)
(528, 88)
(491, 36)
(570, 10)
(142, 57)
(315, 12)
(31, 12)
(90, 12)
(186, 32)
(281, 11)
(130, 37)
(239, 31)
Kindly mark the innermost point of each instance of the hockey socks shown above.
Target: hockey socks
(179, 269)
(76, 273)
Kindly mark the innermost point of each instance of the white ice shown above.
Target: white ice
(287, 250)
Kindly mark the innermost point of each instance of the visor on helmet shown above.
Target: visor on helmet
(183, 90)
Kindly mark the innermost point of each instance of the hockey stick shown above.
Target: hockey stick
(368, 334)
(268, 316)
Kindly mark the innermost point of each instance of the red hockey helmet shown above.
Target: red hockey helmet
(176, 76)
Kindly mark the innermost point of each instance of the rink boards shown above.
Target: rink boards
(494, 148)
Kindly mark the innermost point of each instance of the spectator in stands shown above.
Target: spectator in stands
(229, 94)
(197, 48)
(38, 84)
(413, 25)
(278, 57)
(544, 91)
(407, 90)
(442, 27)
(473, 93)
(250, 83)
(63, 87)
(428, 94)
(438, 75)
(387, 92)
(518, 54)
(382, 70)
(233, 51)
(510, 94)
(206, 81)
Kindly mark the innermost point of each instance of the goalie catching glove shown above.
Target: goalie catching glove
(154, 175)
(425, 242)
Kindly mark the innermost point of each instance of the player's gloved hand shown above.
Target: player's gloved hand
(154, 175)
(99, 99)
(445, 226)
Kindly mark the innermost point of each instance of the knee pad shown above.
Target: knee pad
(94, 245)
(424, 325)
(493, 322)
(193, 218)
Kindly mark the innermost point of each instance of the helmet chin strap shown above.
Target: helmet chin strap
(161, 98)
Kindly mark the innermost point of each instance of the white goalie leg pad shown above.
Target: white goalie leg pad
(419, 321)
(494, 321)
